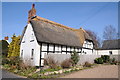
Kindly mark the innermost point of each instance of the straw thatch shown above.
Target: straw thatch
(51, 32)
(111, 44)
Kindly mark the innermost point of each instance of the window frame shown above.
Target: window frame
(32, 54)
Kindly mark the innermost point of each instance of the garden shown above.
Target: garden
(52, 69)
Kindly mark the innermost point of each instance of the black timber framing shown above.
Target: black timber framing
(66, 49)
(48, 44)
(47, 48)
(53, 48)
(61, 49)
(70, 49)
(74, 48)
(40, 53)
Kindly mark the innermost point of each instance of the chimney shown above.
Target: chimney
(31, 13)
(6, 38)
(33, 5)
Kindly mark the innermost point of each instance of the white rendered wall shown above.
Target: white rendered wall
(27, 47)
(106, 52)
(87, 51)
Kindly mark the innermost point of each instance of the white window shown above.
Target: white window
(50, 47)
(72, 49)
(59, 47)
(68, 48)
(56, 48)
(44, 47)
(64, 48)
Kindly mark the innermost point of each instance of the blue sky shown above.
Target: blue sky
(88, 15)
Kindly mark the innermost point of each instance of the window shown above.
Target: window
(110, 52)
(32, 53)
(21, 53)
(32, 38)
(24, 37)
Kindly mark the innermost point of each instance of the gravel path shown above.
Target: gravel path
(101, 71)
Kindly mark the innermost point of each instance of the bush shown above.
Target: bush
(98, 60)
(5, 61)
(87, 64)
(45, 62)
(74, 58)
(51, 62)
(113, 61)
(105, 58)
(66, 63)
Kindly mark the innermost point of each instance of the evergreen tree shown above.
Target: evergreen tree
(14, 47)
(74, 57)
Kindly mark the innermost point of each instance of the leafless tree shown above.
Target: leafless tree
(95, 38)
(110, 33)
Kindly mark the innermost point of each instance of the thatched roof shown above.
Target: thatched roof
(51, 32)
(111, 44)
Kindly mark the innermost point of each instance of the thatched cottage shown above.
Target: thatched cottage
(109, 47)
(41, 37)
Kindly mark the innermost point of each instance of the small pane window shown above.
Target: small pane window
(32, 38)
(32, 53)
(110, 52)
(21, 53)
(24, 38)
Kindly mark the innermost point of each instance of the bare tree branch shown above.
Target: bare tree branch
(109, 33)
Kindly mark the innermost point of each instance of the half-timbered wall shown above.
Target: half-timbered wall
(88, 44)
(88, 48)
(47, 49)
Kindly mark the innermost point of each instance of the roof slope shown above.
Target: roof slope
(49, 33)
(52, 32)
(111, 44)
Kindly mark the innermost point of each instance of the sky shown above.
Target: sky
(94, 16)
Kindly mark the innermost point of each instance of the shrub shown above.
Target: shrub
(98, 60)
(45, 62)
(105, 58)
(113, 61)
(66, 63)
(87, 64)
(5, 61)
(74, 58)
(51, 62)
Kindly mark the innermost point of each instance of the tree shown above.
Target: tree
(109, 33)
(74, 57)
(14, 47)
(4, 48)
(95, 38)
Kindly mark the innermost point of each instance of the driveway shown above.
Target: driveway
(6, 74)
(101, 71)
